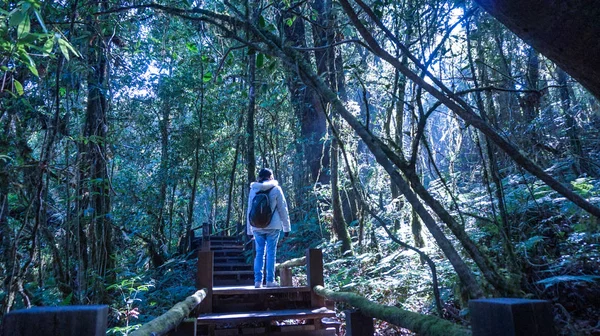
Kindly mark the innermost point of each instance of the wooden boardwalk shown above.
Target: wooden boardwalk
(234, 307)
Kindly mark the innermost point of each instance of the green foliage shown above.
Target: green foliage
(18, 43)
(549, 282)
(129, 291)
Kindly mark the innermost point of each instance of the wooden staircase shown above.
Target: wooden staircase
(234, 307)
(230, 266)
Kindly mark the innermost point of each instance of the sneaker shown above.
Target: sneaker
(272, 284)
(257, 284)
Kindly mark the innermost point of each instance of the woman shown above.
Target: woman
(265, 239)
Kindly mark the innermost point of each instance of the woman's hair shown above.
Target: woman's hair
(264, 174)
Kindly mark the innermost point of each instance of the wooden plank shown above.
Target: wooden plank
(358, 324)
(204, 279)
(254, 331)
(314, 270)
(187, 328)
(253, 316)
(216, 246)
(296, 327)
(236, 290)
(233, 273)
(320, 332)
(57, 321)
(511, 317)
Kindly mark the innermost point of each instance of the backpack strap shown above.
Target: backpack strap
(267, 191)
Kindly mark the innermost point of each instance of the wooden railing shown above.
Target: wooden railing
(285, 270)
(174, 318)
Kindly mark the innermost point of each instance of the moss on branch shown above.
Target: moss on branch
(292, 263)
(418, 323)
(172, 318)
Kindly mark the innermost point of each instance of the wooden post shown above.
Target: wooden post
(286, 277)
(314, 273)
(204, 279)
(205, 230)
(187, 328)
(57, 321)
(205, 243)
(358, 324)
(511, 317)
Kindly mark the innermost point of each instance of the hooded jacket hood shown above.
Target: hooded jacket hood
(260, 186)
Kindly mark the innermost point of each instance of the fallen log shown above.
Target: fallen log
(172, 318)
(418, 323)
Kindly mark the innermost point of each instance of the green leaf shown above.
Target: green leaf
(207, 77)
(24, 27)
(16, 17)
(18, 87)
(192, 47)
(262, 23)
(290, 21)
(62, 44)
(47, 49)
(39, 18)
(33, 70)
(260, 60)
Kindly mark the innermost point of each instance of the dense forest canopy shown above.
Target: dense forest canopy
(433, 154)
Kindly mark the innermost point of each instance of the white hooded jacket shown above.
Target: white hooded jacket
(281, 218)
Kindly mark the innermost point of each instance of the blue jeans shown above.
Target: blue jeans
(268, 238)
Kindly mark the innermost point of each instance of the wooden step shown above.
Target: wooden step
(239, 248)
(232, 267)
(228, 253)
(304, 330)
(221, 261)
(243, 290)
(223, 238)
(227, 242)
(248, 298)
(233, 273)
(234, 282)
(271, 315)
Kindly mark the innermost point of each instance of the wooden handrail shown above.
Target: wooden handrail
(292, 263)
(172, 318)
(420, 324)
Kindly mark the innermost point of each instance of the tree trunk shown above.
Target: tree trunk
(580, 158)
(95, 195)
(250, 151)
(308, 110)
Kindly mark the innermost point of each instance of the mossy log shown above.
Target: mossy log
(292, 263)
(172, 318)
(418, 323)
